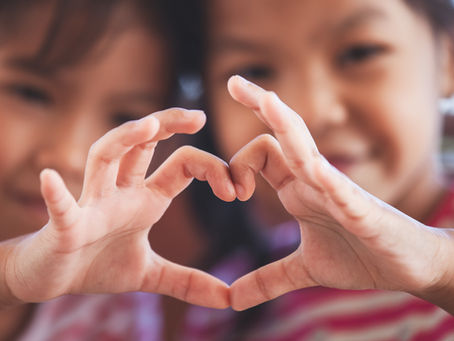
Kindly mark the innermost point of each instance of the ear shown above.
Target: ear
(447, 66)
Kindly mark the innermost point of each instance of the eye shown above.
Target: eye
(359, 54)
(30, 93)
(256, 72)
(120, 117)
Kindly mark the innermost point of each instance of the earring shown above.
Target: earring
(446, 106)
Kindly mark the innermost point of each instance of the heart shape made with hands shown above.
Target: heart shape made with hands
(345, 245)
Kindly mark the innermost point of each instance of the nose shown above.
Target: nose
(316, 96)
(64, 146)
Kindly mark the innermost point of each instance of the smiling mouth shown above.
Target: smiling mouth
(33, 205)
(344, 163)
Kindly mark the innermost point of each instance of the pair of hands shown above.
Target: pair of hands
(99, 244)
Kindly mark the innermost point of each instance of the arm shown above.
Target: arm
(99, 244)
(351, 239)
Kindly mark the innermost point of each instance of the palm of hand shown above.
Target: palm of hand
(328, 254)
(103, 244)
(355, 242)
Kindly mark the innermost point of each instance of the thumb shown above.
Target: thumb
(61, 205)
(269, 282)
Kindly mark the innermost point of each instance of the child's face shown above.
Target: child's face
(50, 120)
(364, 74)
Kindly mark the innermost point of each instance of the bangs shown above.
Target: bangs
(440, 13)
(75, 26)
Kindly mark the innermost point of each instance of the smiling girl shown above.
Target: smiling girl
(366, 77)
(69, 72)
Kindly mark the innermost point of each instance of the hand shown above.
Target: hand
(100, 243)
(349, 239)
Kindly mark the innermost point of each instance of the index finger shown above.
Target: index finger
(104, 158)
(178, 121)
(288, 127)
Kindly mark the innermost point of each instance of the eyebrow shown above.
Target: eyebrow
(30, 66)
(363, 16)
(246, 44)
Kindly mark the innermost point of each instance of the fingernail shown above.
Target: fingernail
(232, 190)
(243, 81)
(240, 192)
(192, 113)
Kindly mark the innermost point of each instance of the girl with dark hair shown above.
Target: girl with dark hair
(366, 77)
(358, 72)
(69, 72)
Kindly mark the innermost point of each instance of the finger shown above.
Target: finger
(355, 209)
(187, 163)
(261, 155)
(104, 156)
(187, 284)
(269, 282)
(178, 121)
(61, 205)
(135, 163)
(289, 128)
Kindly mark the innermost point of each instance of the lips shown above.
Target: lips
(31, 203)
(345, 163)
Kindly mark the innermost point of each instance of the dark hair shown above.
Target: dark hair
(76, 26)
(440, 14)
(230, 227)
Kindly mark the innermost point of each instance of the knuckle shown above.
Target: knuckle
(263, 142)
(96, 153)
(297, 163)
(186, 150)
(129, 125)
(174, 114)
(266, 140)
(95, 150)
(261, 283)
(270, 95)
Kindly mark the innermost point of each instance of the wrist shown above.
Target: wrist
(7, 297)
(441, 291)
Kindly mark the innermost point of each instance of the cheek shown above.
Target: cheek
(16, 142)
(404, 131)
(234, 125)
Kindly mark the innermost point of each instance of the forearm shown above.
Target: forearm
(7, 298)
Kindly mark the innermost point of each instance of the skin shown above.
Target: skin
(124, 204)
(349, 238)
(78, 105)
(50, 120)
(364, 98)
(118, 248)
(367, 93)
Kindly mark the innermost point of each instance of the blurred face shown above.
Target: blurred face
(51, 119)
(364, 74)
